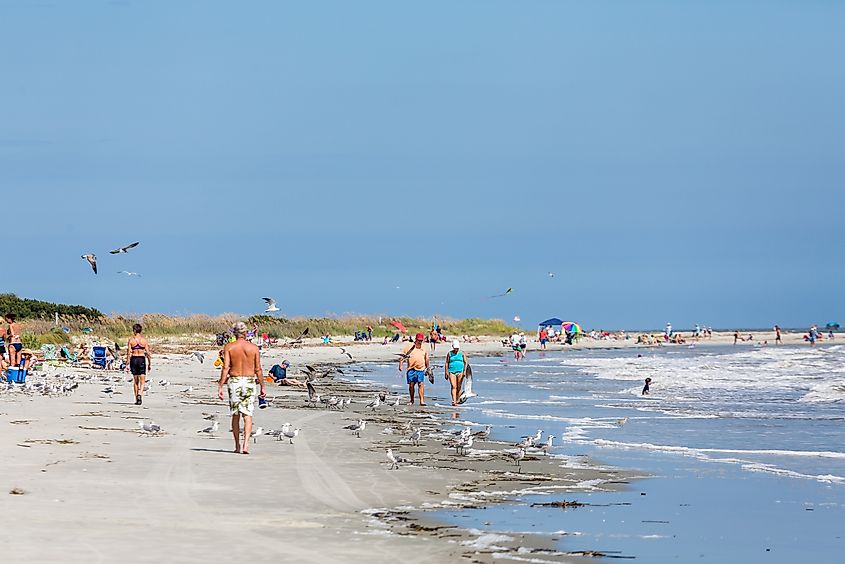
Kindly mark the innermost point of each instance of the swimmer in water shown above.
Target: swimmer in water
(646, 387)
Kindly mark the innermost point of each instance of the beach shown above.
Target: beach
(85, 484)
(80, 473)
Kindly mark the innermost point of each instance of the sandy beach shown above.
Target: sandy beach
(83, 484)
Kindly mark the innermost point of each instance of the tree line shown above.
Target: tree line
(26, 308)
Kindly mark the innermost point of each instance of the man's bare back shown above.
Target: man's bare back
(242, 359)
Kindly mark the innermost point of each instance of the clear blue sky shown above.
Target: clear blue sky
(669, 161)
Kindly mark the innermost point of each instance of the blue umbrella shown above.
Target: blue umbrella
(551, 322)
(832, 325)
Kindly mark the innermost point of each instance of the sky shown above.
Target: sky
(667, 161)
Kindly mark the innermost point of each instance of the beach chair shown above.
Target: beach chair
(71, 358)
(48, 351)
(98, 357)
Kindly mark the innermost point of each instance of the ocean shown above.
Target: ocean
(741, 449)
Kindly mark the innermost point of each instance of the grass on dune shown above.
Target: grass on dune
(119, 327)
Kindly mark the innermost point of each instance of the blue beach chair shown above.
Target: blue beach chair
(98, 357)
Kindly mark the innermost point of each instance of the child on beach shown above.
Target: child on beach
(646, 387)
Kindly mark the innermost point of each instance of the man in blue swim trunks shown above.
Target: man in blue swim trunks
(418, 363)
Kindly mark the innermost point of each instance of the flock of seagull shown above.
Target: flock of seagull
(92, 258)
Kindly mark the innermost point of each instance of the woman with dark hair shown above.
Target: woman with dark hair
(138, 359)
(13, 339)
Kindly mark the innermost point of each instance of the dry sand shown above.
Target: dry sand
(84, 485)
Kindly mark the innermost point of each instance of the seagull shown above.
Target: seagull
(211, 430)
(508, 291)
(257, 432)
(517, 456)
(199, 356)
(188, 390)
(394, 460)
(622, 421)
(463, 444)
(281, 432)
(483, 434)
(313, 396)
(375, 403)
(163, 383)
(149, 427)
(127, 273)
(396, 402)
(271, 305)
(527, 442)
(343, 350)
(124, 249)
(416, 436)
(357, 428)
(546, 445)
(551, 274)
(291, 434)
(92, 260)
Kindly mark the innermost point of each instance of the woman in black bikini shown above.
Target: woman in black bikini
(13, 339)
(138, 361)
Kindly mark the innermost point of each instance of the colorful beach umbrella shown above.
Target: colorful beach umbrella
(571, 327)
(398, 325)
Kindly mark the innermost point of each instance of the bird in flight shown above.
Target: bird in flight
(271, 305)
(551, 274)
(343, 351)
(124, 249)
(92, 260)
(127, 273)
(199, 356)
(508, 291)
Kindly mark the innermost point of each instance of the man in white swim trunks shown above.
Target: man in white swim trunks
(240, 373)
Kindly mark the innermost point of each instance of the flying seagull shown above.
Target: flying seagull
(343, 350)
(124, 249)
(271, 305)
(199, 356)
(508, 291)
(127, 273)
(92, 260)
(551, 274)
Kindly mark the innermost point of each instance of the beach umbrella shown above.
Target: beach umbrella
(399, 326)
(571, 327)
(832, 325)
(551, 322)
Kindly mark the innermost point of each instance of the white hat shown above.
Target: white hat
(456, 344)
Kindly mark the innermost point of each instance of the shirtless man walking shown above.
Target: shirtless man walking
(240, 373)
(418, 363)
